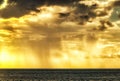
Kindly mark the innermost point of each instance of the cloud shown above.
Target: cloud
(18, 8)
(50, 19)
(116, 3)
(80, 11)
(44, 22)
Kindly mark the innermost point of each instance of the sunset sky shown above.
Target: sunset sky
(23, 21)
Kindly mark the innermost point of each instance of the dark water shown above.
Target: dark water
(60, 74)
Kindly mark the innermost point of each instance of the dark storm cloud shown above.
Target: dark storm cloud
(1, 1)
(79, 13)
(23, 7)
(87, 12)
(42, 2)
(116, 3)
(83, 13)
(105, 24)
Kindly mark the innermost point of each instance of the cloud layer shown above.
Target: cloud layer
(53, 18)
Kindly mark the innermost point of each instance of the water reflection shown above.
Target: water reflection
(76, 51)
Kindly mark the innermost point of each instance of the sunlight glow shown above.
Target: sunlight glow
(4, 4)
(13, 58)
(23, 46)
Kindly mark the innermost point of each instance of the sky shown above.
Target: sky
(75, 12)
(22, 20)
